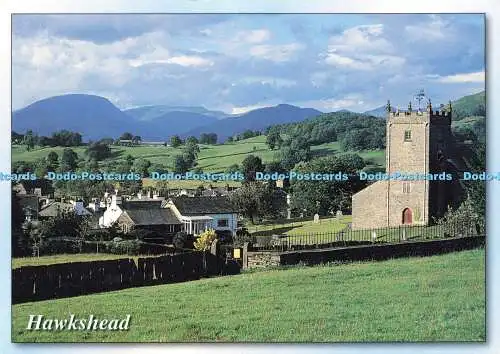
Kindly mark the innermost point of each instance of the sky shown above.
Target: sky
(235, 62)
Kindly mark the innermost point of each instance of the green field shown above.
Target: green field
(301, 227)
(439, 298)
(212, 158)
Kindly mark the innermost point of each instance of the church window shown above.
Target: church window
(407, 135)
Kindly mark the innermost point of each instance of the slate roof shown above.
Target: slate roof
(152, 216)
(203, 205)
(54, 208)
(141, 203)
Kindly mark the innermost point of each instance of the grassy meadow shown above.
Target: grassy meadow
(212, 158)
(439, 298)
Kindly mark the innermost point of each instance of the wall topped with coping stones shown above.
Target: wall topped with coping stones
(364, 253)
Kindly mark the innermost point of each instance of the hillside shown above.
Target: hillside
(258, 119)
(212, 158)
(467, 106)
(439, 298)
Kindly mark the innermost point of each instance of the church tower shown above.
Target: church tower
(418, 142)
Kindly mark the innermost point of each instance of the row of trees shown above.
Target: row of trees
(205, 138)
(58, 138)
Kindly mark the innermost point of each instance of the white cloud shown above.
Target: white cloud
(254, 36)
(245, 109)
(435, 29)
(362, 48)
(475, 77)
(276, 53)
(351, 101)
(366, 38)
(364, 62)
(190, 60)
(265, 80)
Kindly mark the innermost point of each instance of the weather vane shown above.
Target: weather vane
(419, 97)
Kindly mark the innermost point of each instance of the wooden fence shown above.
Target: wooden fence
(35, 283)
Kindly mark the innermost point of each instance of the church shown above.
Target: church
(418, 142)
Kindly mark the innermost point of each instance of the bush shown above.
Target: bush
(59, 246)
(204, 241)
(130, 247)
(183, 240)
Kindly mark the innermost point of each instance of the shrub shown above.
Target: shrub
(130, 247)
(183, 240)
(204, 241)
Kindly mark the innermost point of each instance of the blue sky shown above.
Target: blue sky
(238, 62)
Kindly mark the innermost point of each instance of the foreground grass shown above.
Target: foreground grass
(68, 258)
(440, 298)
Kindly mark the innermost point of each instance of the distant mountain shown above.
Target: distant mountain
(379, 112)
(257, 119)
(95, 117)
(171, 123)
(92, 116)
(154, 111)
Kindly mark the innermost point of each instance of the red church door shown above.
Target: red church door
(407, 216)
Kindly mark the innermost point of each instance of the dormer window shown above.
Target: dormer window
(407, 135)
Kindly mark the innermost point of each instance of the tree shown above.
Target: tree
(52, 161)
(29, 140)
(180, 164)
(257, 200)
(136, 139)
(68, 160)
(41, 168)
(204, 240)
(19, 241)
(98, 151)
(250, 165)
(274, 139)
(326, 196)
(192, 140)
(141, 166)
(175, 141)
(126, 136)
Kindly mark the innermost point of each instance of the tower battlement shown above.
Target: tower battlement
(420, 116)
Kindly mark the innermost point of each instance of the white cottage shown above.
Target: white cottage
(198, 214)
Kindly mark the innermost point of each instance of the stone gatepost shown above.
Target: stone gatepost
(213, 247)
(244, 255)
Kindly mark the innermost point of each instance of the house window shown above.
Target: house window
(406, 187)
(407, 135)
(222, 223)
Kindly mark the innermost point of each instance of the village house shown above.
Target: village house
(147, 214)
(198, 214)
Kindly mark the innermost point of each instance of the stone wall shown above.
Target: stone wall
(369, 207)
(262, 259)
(365, 253)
